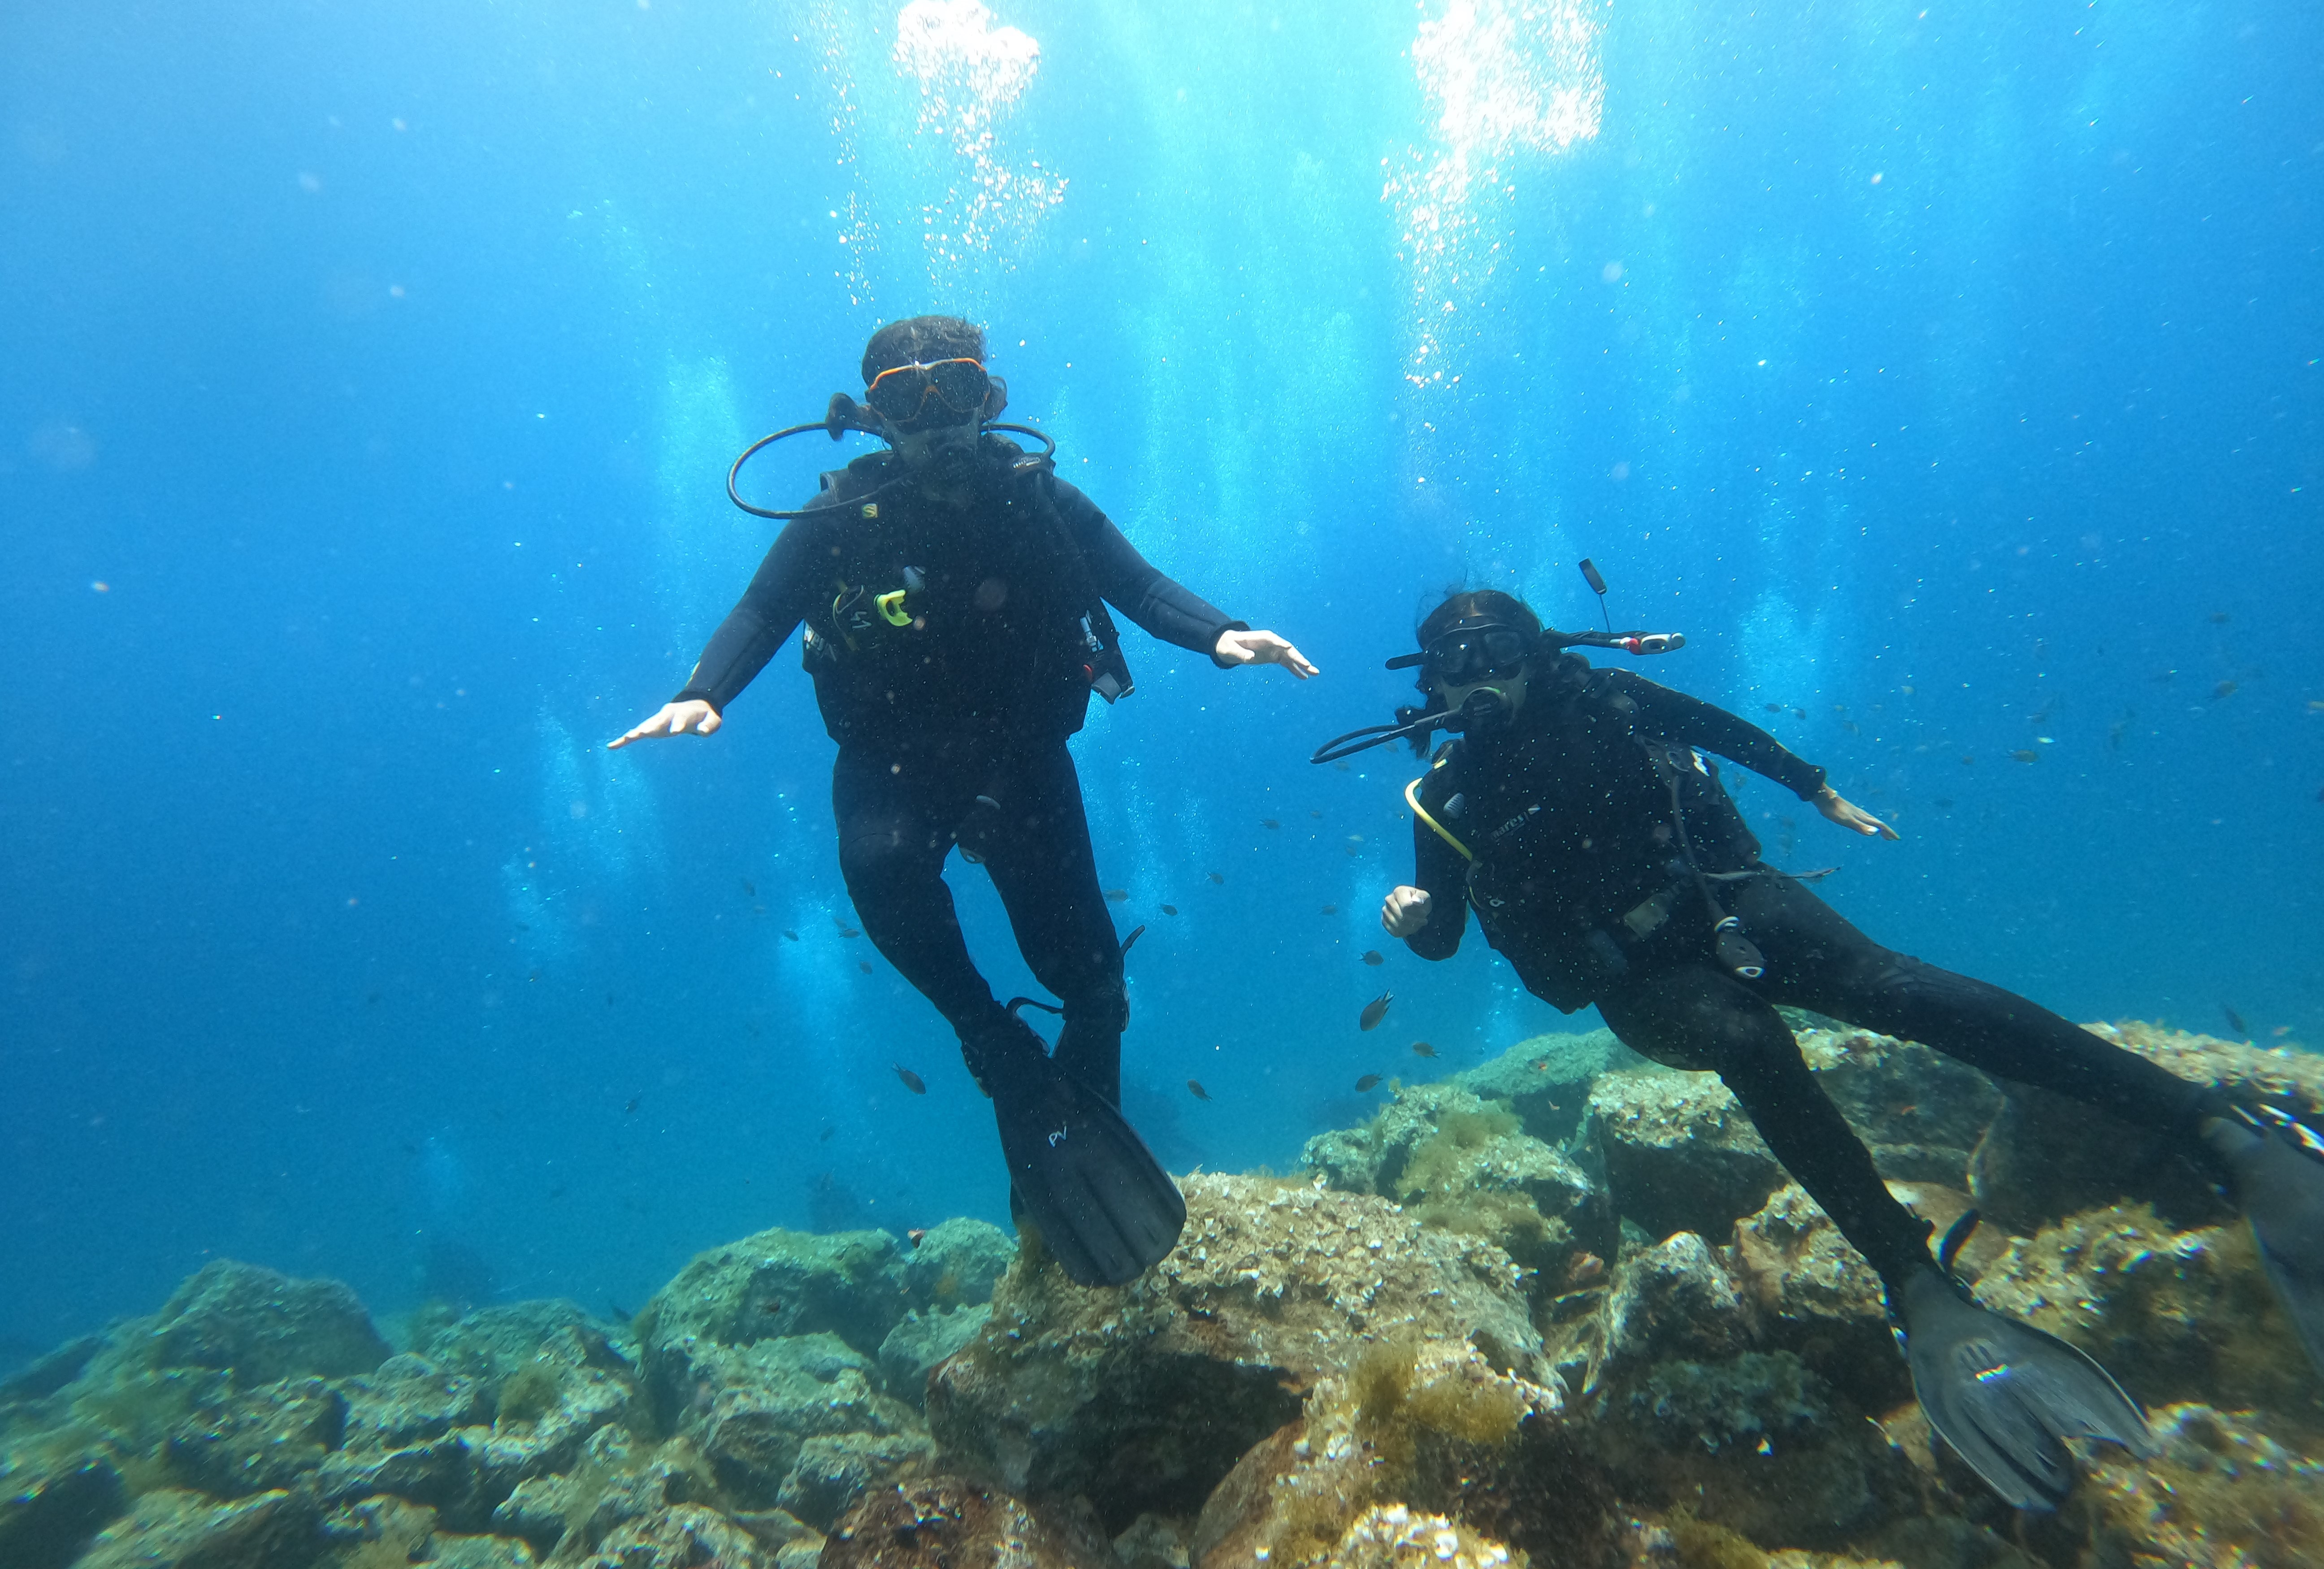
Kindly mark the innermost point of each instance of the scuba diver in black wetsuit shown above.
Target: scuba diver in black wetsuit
(1578, 818)
(955, 595)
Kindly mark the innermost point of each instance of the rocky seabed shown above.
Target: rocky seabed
(1563, 1309)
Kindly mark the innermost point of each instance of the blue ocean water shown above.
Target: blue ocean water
(1949, 375)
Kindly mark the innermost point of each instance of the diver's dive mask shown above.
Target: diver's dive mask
(900, 393)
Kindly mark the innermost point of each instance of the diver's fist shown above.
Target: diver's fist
(1405, 911)
(693, 716)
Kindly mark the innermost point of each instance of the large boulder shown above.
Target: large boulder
(260, 1440)
(955, 1264)
(946, 1522)
(915, 1346)
(262, 1327)
(1545, 1079)
(53, 1498)
(1679, 1152)
(1140, 1398)
(176, 1528)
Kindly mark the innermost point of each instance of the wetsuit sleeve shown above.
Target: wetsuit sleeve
(1664, 715)
(1136, 586)
(762, 620)
(1438, 870)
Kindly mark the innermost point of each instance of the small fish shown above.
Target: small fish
(635, 1100)
(1969, 760)
(1839, 707)
(1136, 932)
(864, 965)
(1851, 726)
(1539, 1064)
(536, 975)
(790, 934)
(1366, 1084)
(1799, 713)
(1117, 894)
(2219, 618)
(2281, 1031)
(1214, 877)
(557, 1192)
(1268, 822)
(1169, 909)
(2025, 754)
(1314, 814)
(749, 887)
(2315, 705)
(912, 1081)
(1194, 1088)
(914, 1234)
(825, 1137)
(2235, 1022)
(1331, 910)
(2224, 689)
(1944, 803)
(1421, 1049)
(1372, 957)
(849, 932)
(1375, 1011)
(1355, 838)
(1585, 1268)
(1773, 708)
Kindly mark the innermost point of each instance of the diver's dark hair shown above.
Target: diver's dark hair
(922, 340)
(1466, 604)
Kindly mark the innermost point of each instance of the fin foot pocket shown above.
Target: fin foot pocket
(2006, 1396)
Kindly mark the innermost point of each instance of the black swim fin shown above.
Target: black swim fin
(1105, 1208)
(2275, 1168)
(2005, 1395)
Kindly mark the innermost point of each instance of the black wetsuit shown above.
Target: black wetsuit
(1579, 881)
(951, 661)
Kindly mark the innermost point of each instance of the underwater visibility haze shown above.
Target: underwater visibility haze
(1951, 377)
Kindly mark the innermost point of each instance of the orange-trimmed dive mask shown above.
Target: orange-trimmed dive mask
(900, 393)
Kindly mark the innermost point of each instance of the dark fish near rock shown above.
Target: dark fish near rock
(864, 965)
(912, 1081)
(1367, 1084)
(1117, 894)
(635, 1100)
(790, 934)
(1375, 1011)
(2235, 1022)
(914, 1234)
(849, 932)
(1214, 877)
(1194, 1088)
(1421, 1049)
(1374, 957)
(1773, 708)
(1169, 909)
(1268, 822)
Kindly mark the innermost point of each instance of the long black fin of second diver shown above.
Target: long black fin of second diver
(1105, 1208)
(2006, 1396)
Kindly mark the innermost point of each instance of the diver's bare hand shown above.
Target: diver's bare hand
(1855, 818)
(1405, 911)
(1260, 648)
(691, 718)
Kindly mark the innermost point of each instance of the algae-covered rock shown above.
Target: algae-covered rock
(955, 1263)
(775, 1284)
(1920, 1113)
(946, 1522)
(1467, 1164)
(1140, 1398)
(618, 1478)
(53, 1499)
(761, 1404)
(1674, 1299)
(264, 1327)
(1394, 1536)
(494, 1345)
(1679, 1152)
(176, 1528)
(915, 1346)
(261, 1440)
(680, 1536)
(2222, 1492)
(1545, 1079)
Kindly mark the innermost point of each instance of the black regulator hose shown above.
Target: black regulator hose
(844, 415)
